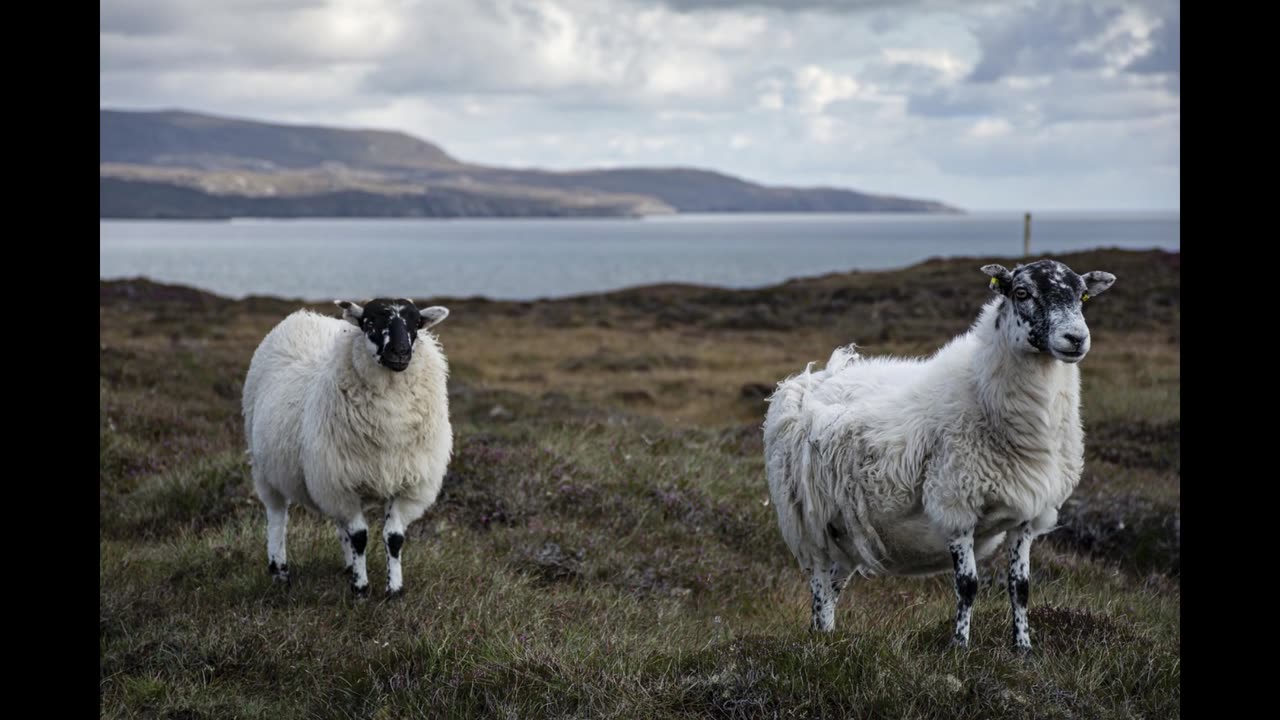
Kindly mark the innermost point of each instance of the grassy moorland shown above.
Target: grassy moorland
(602, 547)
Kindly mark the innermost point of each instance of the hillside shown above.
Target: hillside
(602, 546)
(183, 139)
(174, 164)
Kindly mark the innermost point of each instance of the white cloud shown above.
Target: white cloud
(818, 88)
(826, 130)
(991, 127)
(944, 61)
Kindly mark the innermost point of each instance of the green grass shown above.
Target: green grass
(597, 557)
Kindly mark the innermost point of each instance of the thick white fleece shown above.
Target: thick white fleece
(874, 463)
(329, 428)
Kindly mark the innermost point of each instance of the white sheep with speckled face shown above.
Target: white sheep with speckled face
(918, 466)
(340, 413)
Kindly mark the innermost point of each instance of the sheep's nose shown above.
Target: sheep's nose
(1075, 340)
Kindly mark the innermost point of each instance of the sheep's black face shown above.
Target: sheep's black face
(391, 327)
(1043, 306)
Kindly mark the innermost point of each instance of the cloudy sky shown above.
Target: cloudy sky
(1046, 104)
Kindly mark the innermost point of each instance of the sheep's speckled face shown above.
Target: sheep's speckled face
(1043, 307)
(391, 327)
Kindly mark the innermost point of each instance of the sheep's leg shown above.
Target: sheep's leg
(348, 555)
(401, 512)
(1020, 587)
(961, 548)
(277, 530)
(826, 584)
(358, 535)
(839, 580)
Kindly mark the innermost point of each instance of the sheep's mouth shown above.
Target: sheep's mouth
(1069, 357)
(395, 364)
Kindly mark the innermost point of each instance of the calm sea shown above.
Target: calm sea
(524, 259)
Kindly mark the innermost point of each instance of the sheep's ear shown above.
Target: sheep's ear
(351, 312)
(432, 316)
(1097, 282)
(1001, 279)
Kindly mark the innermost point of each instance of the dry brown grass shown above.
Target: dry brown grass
(601, 548)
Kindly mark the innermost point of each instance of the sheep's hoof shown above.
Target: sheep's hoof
(395, 594)
(360, 591)
(279, 573)
(1022, 651)
(960, 642)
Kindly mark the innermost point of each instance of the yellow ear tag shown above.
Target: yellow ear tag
(1085, 298)
(994, 282)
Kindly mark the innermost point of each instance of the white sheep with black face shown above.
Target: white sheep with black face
(340, 413)
(914, 467)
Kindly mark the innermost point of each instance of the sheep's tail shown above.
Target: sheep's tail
(803, 381)
(788, 401)
(842, 357)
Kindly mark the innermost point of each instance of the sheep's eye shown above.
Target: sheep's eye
(1021, 293)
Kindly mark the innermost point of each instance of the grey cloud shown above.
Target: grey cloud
(944, 103)
(883, 22)
(1048, 38)
(1042, 40)
(835, 6)
(589, 82)
(908, 79)
(1166, 55)
(138, 17)
(147, 17)
(1067, 97)
(1116, 106)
